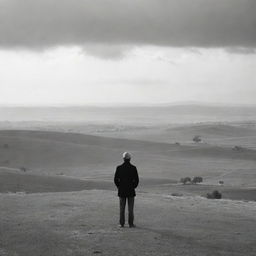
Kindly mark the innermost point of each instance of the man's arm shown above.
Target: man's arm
(136, 178)
(117, 178)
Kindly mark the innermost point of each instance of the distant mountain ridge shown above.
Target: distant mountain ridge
(131, 115)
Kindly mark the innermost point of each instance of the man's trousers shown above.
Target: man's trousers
(130, 210)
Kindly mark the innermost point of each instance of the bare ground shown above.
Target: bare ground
(85, 223)
(64, 221)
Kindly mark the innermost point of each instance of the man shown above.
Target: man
(126, 180)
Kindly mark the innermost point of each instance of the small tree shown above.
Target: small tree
(197, 139)
(197, 180)
(214, 195)
(185, 180)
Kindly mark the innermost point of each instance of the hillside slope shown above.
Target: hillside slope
(92, 156)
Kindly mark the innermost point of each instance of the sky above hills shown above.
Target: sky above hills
(128, 52)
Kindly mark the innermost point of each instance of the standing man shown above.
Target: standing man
(126, 180)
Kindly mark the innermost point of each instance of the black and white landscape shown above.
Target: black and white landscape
(170, 81)
(58, 196)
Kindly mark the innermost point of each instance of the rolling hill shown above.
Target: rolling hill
(86, 156)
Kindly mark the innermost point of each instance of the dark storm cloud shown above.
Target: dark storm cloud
(182, 23)
(241, 50)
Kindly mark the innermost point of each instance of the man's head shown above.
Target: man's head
(126, 156)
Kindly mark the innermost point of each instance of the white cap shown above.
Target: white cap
(126, 156)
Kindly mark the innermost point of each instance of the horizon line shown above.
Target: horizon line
(131, 105)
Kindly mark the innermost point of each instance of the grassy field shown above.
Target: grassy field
(57, 195)
(85, 223)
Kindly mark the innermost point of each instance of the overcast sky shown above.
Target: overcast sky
(120, 51)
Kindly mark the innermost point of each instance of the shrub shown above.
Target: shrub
(214, 195)
(23, 169)
(177, 194)
(221, 182)
(197, 180)
(197, 139)
(237, 148)
(185, 180)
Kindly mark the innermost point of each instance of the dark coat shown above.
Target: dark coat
(126, 179)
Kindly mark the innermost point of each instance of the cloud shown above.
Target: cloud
(241, 50)
(40, 24)
(106, 51)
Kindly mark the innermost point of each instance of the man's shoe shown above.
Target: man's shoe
(132, 226)
(121, 226)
